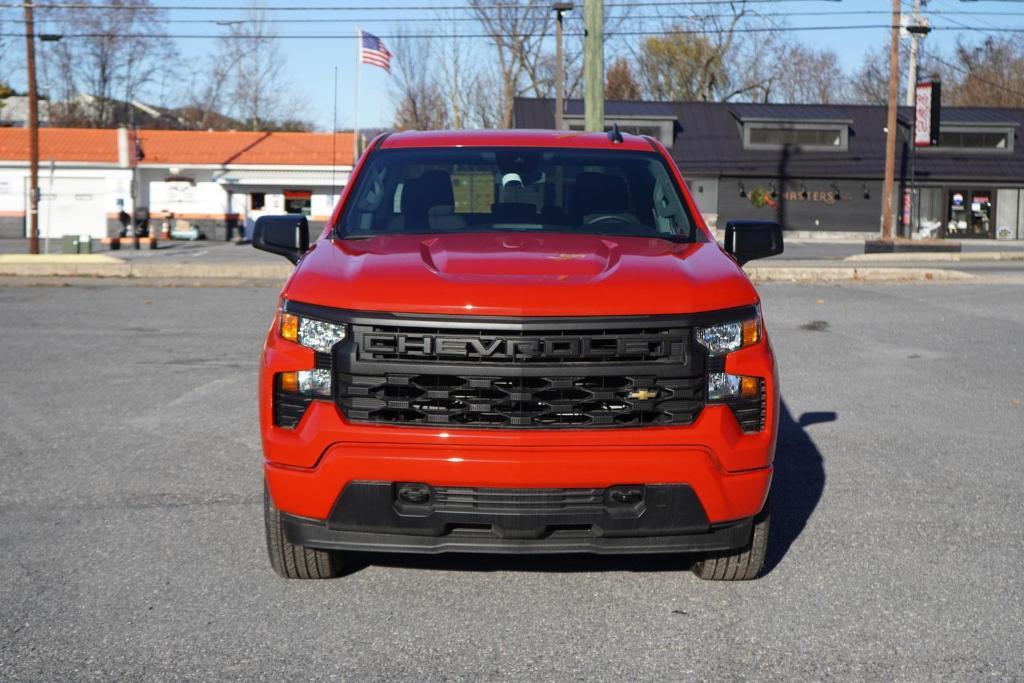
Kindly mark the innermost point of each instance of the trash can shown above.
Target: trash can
(76, 244)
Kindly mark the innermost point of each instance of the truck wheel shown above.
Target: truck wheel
(295, 561)
(742, 564)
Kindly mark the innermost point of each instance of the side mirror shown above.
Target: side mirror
(748, 240)
(286, 235)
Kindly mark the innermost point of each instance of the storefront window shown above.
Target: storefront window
(970, 214)
(298, 201)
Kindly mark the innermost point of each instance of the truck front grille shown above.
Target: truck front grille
(470, 400)
(524, 373)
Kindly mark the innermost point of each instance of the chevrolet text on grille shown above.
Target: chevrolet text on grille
(557, 347)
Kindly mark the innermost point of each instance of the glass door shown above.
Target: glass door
(980, 215)
(956, 225)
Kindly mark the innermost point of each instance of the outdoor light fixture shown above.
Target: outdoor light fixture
(867, 192)
(803, 190)
(743, 190)
(774, 193)
(835, 191)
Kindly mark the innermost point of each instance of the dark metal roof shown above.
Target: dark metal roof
(709, 139)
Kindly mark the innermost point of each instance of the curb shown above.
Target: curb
(941, 256)
(769, 274)
(106, 266)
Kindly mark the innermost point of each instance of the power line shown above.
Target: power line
(446, 20)
(663, 32)
(578, 34)
(542, 8)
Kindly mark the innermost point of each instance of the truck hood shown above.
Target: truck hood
(515, 274)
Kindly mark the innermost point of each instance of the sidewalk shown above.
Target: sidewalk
(802, 262)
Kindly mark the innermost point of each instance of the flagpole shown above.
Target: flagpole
(355, 100)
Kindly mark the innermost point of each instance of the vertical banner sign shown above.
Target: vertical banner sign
(926, 114)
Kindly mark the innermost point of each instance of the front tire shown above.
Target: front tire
(742, 564)
(292, 561)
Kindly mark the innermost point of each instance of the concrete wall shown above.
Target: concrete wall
(704, 191)
(73, 200)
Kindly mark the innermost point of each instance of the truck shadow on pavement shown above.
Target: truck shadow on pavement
(798, 484)
(797, 488)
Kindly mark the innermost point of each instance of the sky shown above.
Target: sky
(311, 62)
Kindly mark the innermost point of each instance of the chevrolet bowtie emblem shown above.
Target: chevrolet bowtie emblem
(643, 394)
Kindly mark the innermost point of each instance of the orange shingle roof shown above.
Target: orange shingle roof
(243, 147)
(61, 144)
(182, 147)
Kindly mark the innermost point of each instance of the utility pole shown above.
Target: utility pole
(560, 9)
(593, 64)
(33, 131)
(912, 62)
(891, 132)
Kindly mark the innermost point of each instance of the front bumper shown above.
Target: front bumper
(374, 516)
(307, 467)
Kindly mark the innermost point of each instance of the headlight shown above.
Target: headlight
(721, 339)
(313, 334)
(307, 382)
(723, 386)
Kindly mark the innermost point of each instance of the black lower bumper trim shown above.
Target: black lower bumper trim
(317, 535)
(419, 518)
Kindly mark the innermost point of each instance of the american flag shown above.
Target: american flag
(372, 51)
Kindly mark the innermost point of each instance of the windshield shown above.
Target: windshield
(447, 190)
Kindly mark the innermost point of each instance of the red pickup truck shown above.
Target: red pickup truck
(517, 342)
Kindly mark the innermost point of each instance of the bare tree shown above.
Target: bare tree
(420, 102)
(518, 30)
(812, 77)
(122, 51)
(257, 90)
(990, 74)
(458, 78)
(869, 84)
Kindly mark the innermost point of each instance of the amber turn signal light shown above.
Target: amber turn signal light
(750, 387)
(289, 382)
(290, 327)
(751, 332)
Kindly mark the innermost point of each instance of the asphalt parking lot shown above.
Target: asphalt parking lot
(131, 537)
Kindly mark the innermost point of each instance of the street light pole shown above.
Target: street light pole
(33, 131)
(560, 9)
(891, 132)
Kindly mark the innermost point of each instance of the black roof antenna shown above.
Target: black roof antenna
(615, 135)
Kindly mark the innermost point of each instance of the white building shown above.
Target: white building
(206, 179)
